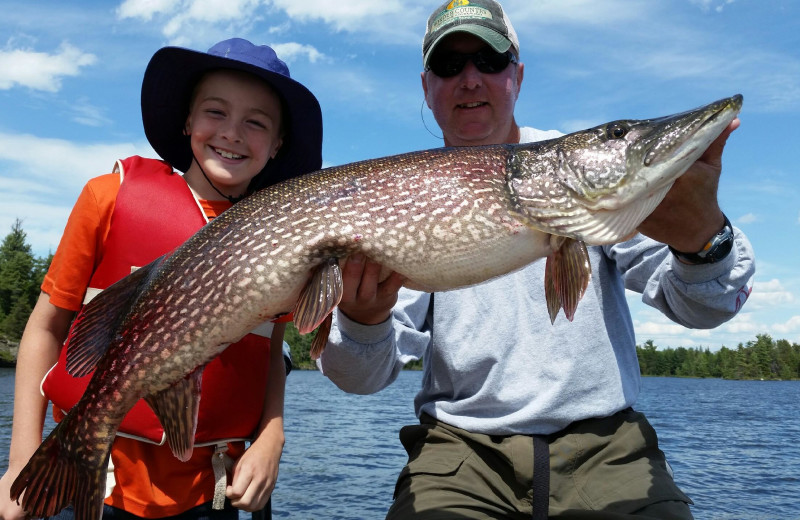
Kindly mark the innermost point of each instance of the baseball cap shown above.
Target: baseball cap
(482, 18)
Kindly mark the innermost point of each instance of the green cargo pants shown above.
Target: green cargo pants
(608, 468)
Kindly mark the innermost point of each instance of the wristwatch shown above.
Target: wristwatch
(715, 250)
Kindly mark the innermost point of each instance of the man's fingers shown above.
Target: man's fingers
(713, 154)
(351, 276)
(368, 287)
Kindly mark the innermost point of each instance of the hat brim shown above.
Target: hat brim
(167, 87)
(495, 40)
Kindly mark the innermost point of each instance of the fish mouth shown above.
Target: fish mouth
(666, 148)
(643, 163)
(654, 153)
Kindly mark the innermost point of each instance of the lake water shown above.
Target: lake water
(734, 445)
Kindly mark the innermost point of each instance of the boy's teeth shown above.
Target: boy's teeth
(228, 155)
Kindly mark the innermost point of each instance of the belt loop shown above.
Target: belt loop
(541, 477)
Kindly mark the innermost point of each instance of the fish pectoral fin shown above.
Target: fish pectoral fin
(321, 338)
(567, 275)
(176, 408)
(55, 476)
(319, 297)
(97, 323)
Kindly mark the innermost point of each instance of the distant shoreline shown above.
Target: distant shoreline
(8, 353)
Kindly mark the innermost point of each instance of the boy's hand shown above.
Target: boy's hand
(254, 476)
(9, 510)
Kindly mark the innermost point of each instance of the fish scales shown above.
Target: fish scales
(442, 218)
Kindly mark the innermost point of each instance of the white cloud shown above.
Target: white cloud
(42, 178)
(768, 294)
(716, 5)
(146, 9)
(790, 326)
(59, 162)
(747, 218)
(573, 12)
(291, 51)
(390, 22)
(40, 70)
(348, 16)
(85, 113)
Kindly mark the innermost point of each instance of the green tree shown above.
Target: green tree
(14, 323)
(300, 347)
(19, 274)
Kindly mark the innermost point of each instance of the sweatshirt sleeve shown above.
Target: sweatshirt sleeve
(695, 296)
(363, 359)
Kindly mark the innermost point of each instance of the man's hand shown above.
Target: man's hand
(690, 215)
(366, 299)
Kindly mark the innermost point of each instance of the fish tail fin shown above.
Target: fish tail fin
(54, 477)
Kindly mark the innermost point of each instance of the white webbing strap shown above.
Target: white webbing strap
(220, 462)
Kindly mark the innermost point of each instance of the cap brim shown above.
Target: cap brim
(495, 40)
(166, 90)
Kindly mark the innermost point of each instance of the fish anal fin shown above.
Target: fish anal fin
(55, 477)
(321, 338)
(97, 324)
(319, 297)
(567, 275)
(176, 408)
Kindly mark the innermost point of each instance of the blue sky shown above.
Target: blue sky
(70, 79)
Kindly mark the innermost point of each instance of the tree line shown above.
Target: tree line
(763, 358)
(21, 275)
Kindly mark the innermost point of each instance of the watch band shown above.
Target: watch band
(715, 249)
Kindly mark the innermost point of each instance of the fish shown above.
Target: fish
(443, 218)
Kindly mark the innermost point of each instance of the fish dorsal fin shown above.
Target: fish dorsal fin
(567, 274)
(176, 408)
(319, 297)
(97, 323)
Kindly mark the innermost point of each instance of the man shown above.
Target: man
(518, 417)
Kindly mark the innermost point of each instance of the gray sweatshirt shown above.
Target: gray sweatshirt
(493, 363)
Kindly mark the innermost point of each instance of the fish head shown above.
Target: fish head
(599, 184)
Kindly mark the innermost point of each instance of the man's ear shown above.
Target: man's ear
(425, 88)
(520, 75)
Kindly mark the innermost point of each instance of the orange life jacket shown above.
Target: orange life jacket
(156, 212)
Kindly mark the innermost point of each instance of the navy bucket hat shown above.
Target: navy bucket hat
(171, 76)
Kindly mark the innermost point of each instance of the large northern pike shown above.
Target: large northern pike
(443, 218)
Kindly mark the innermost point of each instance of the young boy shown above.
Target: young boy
(234, 121)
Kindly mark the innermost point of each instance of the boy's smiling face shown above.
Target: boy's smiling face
(235, 127)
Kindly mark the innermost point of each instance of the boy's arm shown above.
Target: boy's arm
(256, 472)
(39, 347)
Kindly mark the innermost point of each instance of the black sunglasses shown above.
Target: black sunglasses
(486, 60)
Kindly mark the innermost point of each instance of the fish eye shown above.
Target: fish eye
(616, 130)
